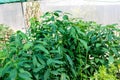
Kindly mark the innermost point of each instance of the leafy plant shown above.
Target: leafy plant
(106, 74)
(60, 48)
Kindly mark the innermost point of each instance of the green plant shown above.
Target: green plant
(60, 48)
(106, 73)
(14, 59)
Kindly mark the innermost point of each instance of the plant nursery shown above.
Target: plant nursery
(59, 39)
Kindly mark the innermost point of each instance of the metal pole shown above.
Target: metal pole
(23, 16)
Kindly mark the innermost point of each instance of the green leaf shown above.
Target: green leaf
(23, 35)
(1, 69)
(46, 14)
(13, 74)
(55, 72)
(52, 61)
(27, 65)
(6, 67)
(41, 42)
(93, 39)
(80, 32)
(105, 49)
(90, 33)
(69, 60)
(73, 32)
(56, 14)
(64, 77)
(41, 48)
(65, 17)
(37, 76)
(47, 74)
(35, 62)
(87, 66)
(54, 26)
(61, 30)
(110, 37)
(115, 51)
(27, 45)
(84, 44)
(24, 74)
(54, 51)
(58, 62)
(111, 59)
(38, 69)
(52, 18)
(98, 45)
(41, 60)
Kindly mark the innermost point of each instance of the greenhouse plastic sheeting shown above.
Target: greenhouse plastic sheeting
(103, 12)
(98, 11)
(10, 1)
(11, 15)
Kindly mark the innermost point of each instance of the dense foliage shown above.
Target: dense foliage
(60, 48)
(106, 73)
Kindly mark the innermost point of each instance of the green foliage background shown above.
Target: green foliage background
(60, 48)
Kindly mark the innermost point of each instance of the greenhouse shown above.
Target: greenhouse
(59, 39)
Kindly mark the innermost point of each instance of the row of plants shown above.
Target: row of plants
(62, 48)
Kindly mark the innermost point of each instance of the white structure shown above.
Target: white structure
(103, 12)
